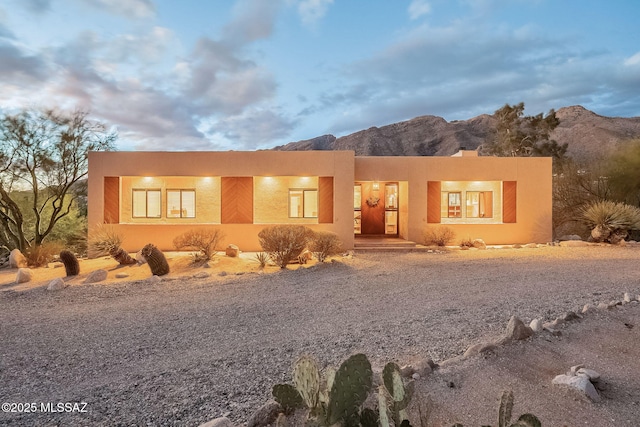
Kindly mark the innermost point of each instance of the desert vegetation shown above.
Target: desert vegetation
(438, 236)
(204, 240)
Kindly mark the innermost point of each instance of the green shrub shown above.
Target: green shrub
(324, 244)
(438, 236)
(609, 221)
(283, 243)
(203, 240)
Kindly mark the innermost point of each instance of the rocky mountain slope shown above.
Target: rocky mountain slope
(589, 135)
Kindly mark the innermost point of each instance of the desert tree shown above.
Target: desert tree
(43, 157)
(517, 135)
(623, 173)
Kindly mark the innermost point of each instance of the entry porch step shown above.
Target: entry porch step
(379, 243)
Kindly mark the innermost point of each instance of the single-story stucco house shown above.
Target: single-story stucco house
(152, 197)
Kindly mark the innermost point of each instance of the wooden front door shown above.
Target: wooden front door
(372, 213)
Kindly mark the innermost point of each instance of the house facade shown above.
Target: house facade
(152, 197)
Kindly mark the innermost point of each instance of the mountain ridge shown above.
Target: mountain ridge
(588, 135)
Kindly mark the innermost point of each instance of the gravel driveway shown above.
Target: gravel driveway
(182, 352)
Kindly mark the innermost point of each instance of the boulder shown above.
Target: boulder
(579, 383)
(218, 422)
(24, 275)
(479, 244)
(56, 285)
(232, 251)
(17, 260)
(516, 331)
(265, 415)
(96, 276)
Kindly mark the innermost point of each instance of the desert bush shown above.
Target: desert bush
(283, 243)
(324, 244)
(466, 243)
(262, 259)
(609, 221)
(438, 236)
(41, 255)
(105, 240)
(203, 240)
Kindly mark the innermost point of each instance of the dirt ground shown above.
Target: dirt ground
(467, 390)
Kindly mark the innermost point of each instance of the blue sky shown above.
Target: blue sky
(250, 74)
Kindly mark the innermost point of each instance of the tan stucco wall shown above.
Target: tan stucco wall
(534, 192)
(194, 165)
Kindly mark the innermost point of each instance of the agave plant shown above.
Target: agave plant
(106, 240)
(609, 221)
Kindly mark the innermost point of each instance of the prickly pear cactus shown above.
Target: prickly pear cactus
(156, 260)
(400, 395)
(306, 378)
(71, 265)
(368, 418)
(288, 397)
(350, 388)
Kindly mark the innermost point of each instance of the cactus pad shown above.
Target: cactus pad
(288, 397)
(350, 388)
(306, 378)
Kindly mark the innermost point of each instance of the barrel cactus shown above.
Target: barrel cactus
(156, 260)
(71, 265)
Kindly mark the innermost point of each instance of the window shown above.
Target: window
(479, 204)
(303, 203)
(146, 204)
(181, 203)
(454, 202)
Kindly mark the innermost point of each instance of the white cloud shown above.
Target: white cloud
(255, 128)
(252, 20)
(418, 8)
(311, 11)
(632, 60)
(126, 8)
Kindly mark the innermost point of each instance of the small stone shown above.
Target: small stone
(232, 251)
(579, 383)
(415, 376)
(614, 304)
(121, 275)
(574, 370)
(573, 243)
(140, 258)
(222, 273)
(569, 316)
(479, 348)
(55, 265)
(603, 306)
(627, 297)
(96, 276)
(407, 371)
(265, 415)
(56, 285)
(590, 373)
(587, 308)
(17, 259)
(218, 422)
(154, 280)
(24, 275)
(201, 275)
(531, 245)
(536, 325)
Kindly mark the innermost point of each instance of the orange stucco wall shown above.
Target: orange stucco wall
(188, 169)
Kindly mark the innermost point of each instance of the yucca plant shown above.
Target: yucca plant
(262, 258)
(105, 240)
(610, 221)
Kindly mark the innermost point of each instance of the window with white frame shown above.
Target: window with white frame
(181, 203)
(146, 203)
(303, 203)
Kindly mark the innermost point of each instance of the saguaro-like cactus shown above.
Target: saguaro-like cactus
(71, 265)
(156, 260)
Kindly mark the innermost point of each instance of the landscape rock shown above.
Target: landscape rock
(265, 415)
(587, 308)
(201, 275)
(603, 306)
(24, 275)
(479, 348)
(590, 373)
(55, 265)
(627, 297)
(536, 325)
(531, 245)
(579, 383)
(17, 260)
(154, 280)
(121, 275)
(305, 256)
(56, 285)
(222, 273)
(96, 276)
(140, 258)
(516, 331)
(569, 237)
(218, 422)
(479, 244)
(570, 315)
(232, 251)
